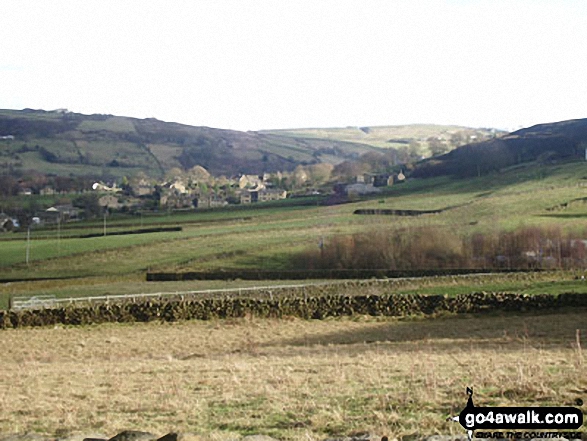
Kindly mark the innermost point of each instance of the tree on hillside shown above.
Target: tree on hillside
(198, 173)
(8, 185)
(320, 173)
(414, 151)
(347, 170)
(437, 147)
(174, 173)
(458, 139)
(299, 177)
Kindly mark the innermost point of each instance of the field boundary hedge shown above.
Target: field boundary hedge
(125, 232)
(391, 212)
(319, 307)
(100, 234)
(305, 274)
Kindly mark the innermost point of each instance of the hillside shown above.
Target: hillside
(396, 136)
(71, 144)
(544, 143)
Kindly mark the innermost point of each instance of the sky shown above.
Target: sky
(278, 64)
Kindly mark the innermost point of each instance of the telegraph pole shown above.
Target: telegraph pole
(59, 234)
(28, 244)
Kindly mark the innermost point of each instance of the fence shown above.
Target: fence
(34, 302)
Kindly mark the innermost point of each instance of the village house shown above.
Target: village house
(262, 195)
(142, 188)
(177, 200)
(210, 202)
(47, 191)
(248, 197)
(271, 194)
(59, 213)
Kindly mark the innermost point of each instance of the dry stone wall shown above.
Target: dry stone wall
(318, 307)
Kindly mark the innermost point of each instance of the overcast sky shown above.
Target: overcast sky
(269, 64)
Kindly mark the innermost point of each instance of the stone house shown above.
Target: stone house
(262, 195)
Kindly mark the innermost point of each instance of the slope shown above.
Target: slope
(545, 143)
(71, 144)
(394, 136)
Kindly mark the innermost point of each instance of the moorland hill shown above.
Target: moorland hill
(64, 143)
(542, 143)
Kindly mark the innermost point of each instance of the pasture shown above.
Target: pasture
(292, 379)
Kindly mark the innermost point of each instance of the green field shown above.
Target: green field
(267, 238)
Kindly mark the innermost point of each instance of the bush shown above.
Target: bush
(437, 248)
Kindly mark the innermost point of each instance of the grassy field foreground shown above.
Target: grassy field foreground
(292, 379)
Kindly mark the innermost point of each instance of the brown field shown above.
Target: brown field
(292, 379)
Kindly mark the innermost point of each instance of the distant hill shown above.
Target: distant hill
(542, 143)
(71, 144)
(396, 136)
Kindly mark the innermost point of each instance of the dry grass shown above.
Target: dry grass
(293, 379)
